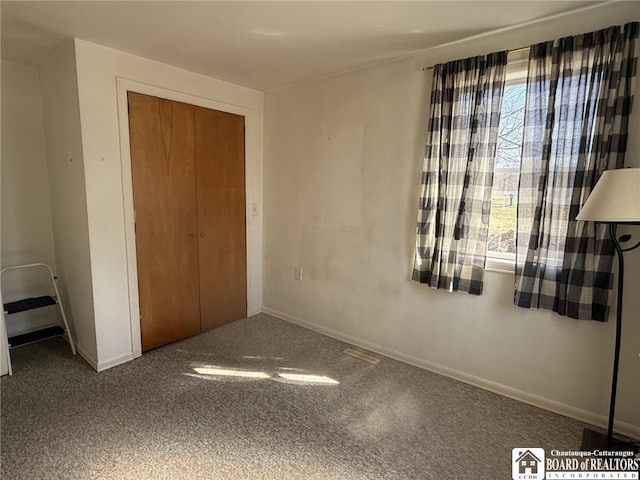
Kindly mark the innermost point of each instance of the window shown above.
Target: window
(561, 263)
(501, 245)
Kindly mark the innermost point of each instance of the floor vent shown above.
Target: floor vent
(361, 356)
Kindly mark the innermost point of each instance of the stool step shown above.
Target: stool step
(36, 336)
(29, 304)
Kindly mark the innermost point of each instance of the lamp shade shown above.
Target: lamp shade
(615, 198)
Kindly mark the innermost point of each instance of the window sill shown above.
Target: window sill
(501, 265)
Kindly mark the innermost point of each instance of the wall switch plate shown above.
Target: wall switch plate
(254, 209)
(298, 273)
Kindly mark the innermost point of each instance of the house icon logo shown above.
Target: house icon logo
(527, 463)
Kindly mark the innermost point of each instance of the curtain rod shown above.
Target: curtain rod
(513, 50)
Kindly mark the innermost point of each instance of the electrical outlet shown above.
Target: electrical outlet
(298, 273)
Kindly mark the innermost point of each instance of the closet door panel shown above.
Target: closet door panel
(164, 193)
(220, 163)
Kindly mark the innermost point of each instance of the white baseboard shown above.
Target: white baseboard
(506, 391)
(115, 362)
(89, 358)
(101, 366)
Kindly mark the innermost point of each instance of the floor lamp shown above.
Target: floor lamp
(614, 200)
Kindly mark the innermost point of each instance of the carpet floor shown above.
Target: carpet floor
(258, 399)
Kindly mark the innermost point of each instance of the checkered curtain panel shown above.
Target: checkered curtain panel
(579, 97)
(453, 211)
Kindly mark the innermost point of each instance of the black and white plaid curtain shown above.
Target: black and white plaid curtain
(453, 212)
(579, 97)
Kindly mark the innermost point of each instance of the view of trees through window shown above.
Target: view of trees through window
(504, 200)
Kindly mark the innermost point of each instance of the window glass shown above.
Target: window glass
(504, 199)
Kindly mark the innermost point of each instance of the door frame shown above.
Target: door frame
(252, 219)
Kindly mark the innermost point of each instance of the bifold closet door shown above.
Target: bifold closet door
(163, 169)
(187, 166)
(220, 160)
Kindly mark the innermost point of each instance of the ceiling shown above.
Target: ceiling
(265, 44)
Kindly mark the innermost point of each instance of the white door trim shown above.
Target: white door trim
(253, 250)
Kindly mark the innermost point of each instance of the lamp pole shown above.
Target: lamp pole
(616, 355)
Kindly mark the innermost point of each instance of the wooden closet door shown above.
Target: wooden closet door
(164, 195)
(220, 181)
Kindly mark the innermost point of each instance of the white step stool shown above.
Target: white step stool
(30, 304)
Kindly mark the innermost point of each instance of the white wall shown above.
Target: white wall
(68, 197)
(104, 75)
(27, 234)
(343, 157)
